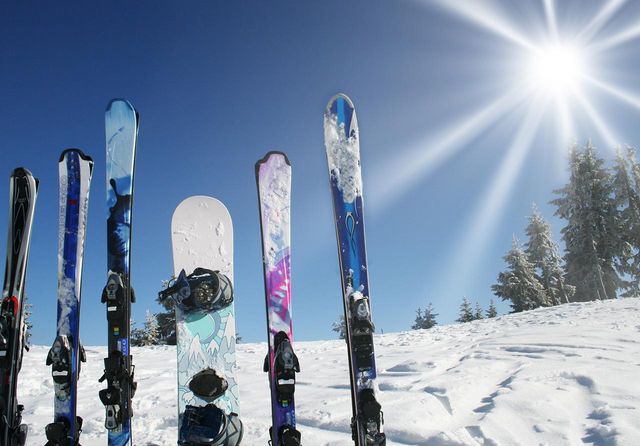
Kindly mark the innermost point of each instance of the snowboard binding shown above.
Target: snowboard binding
(209, 426)
(361, 329)
(208, 385)
(203, 289)
(58, 433)
(371, 418)
(286, 365)
(115, 372)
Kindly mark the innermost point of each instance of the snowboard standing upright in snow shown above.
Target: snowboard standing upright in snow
(23, 192)
(342, 145)
(121, 123)
(273, 176)
(75, 169)
(202, 240)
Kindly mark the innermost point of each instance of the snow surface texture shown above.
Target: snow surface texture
(343, 154)
(556, 376)
(275, 184)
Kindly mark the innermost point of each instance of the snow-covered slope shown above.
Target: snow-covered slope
(555, 376)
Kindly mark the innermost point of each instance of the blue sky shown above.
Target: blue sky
(218, 84)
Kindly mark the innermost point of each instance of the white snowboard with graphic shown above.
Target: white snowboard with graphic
(202, 236)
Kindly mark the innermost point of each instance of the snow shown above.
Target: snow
(343, 155)
(552, 376)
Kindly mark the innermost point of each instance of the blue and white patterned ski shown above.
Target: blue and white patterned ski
(121, 124)
(75, 170)
(342, 145)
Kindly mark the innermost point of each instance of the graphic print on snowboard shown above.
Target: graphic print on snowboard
(202, 241)
(75, 170)
(23, 190)
(342, 146)
(273, 177)
(121, 126)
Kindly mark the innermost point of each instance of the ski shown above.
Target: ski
(202, 291)
(121, 124)
(342, 145)
(23, 191)
(75, 170)
(273, 177)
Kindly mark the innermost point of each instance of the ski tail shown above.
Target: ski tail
(273, 180)
(23, 193)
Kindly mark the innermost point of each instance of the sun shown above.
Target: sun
(556, 68)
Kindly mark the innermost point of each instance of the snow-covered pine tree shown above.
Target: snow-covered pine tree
(519, 283)
(425, 319)
(151, 329)
(417, 323)
(590, 236)
(340, 327)
(492, 311)
(466, 313)
(477, 315)
(627, 201)
(543, 254)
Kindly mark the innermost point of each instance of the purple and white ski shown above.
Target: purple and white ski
(273, 177)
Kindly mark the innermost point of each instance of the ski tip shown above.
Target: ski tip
(80, 153)
(23, 172)
(337, 98)
(120, 102)
(271, 153)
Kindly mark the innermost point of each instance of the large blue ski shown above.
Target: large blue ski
(121, 122)
(75, 170)
(342, 144)
(23, 193)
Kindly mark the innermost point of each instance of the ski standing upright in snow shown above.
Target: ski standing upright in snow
(23, 191)
(342, 145)
(273, 176)
(75, 170)
(121, 122)
(202, 242)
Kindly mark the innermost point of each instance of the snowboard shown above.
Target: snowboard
(202, 239)
(75, 170)
(121, 125)
(342, 145)
(23, 189)
(273, 177)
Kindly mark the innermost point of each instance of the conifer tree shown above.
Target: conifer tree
(519, 283)
(542, 252)
(151, 329)
(425, 319)
(478, 312)
(627, 202)
(466, 313)
(590, 236)
(340, 327)
(492, 311)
